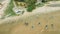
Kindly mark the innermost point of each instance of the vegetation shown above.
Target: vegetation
(31, 7)
(29, 2)
(40, 5)
(9, 10)
(20, 0)
(44, 1)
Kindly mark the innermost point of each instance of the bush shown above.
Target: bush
(30, 4)
(44, 1)
(30, 8)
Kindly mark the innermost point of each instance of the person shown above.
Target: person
(46, 27)
(26, 23)
(33, 27)
(39, 23)
(52, 25)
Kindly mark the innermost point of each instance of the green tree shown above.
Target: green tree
(31, 4)
(31, 7)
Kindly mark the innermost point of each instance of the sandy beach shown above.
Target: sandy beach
(43, 20)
